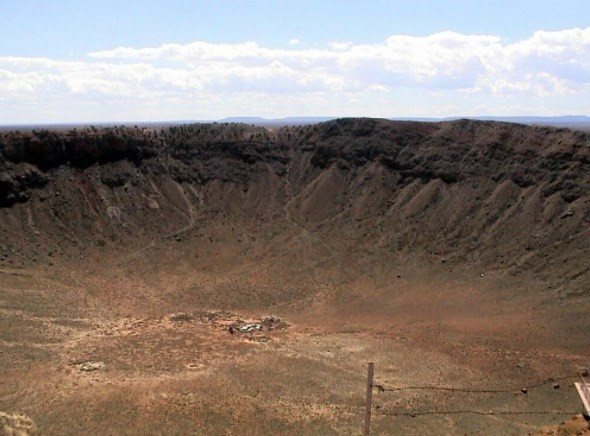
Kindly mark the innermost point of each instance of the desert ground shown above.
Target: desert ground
(237, 280)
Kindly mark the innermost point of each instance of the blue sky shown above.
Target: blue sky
(111, 60)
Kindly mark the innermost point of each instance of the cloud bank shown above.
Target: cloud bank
(445, 73)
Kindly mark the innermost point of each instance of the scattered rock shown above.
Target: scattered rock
(524, 390)
(270, 320)
(567, 214)
(91, 366)
(180, 317)
(248, 328)
(556, 386)
(153, 204)
(268, 323)
(194, 366)
(17, 425)
(114, 213)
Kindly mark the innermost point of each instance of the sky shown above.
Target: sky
(109, 61)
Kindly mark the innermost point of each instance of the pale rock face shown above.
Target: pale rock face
(16, 425)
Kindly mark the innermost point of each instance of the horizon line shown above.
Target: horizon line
(319, 118)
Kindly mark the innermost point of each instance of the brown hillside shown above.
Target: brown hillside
(493, 195)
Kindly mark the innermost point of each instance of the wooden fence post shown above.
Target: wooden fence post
(584, 393)
(369, 399)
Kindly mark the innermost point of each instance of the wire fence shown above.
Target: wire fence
(380, 388)
(480, 412)
(522, 389)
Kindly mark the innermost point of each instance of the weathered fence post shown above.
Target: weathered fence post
(584, 393)
(369, 398)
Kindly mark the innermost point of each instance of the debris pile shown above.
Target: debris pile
(90, 366)
(268, 323)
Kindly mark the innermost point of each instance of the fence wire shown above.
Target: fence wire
(524, 389)
(478, 412)
(381, 388)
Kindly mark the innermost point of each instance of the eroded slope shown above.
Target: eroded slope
(492, 195)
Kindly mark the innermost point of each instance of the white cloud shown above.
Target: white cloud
(340, 45)
(446, 71)
(294, 41)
